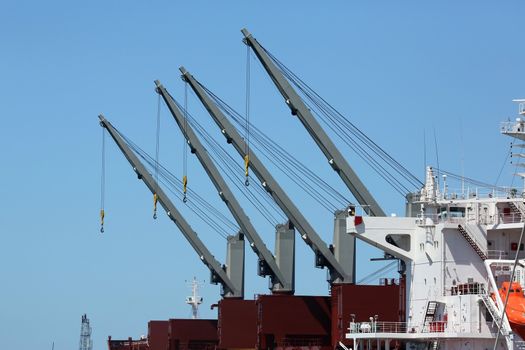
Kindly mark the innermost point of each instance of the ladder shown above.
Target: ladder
(505, 329)
(472, 243)
(430, 314)
(517, 209)
(494, 312)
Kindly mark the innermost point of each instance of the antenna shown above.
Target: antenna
(194, 300)
(462, 157)
(437, 156)
(425, 151)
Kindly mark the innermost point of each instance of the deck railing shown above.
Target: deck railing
(405, 327)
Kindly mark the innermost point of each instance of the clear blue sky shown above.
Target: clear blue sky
(396, 68)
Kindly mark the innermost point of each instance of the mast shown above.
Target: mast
(298, 108)
(323, 256)
(279, 281)
(231, 288)
(194, 300)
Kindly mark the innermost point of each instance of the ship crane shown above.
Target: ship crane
(299, 108)
(324, 257)
(281, 277)
(336, 160)
(230, 277)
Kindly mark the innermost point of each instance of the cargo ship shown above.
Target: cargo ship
(459, 254)
(463, 257)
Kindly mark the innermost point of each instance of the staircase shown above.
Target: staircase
(517, 209)
(472, 243)
(494, 312)
(430, 314)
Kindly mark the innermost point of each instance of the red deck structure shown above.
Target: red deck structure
(287, 321)
(383, 302)
(190, 334)
(158, 335)
(129, 344)
(237, 324)
(277, 321)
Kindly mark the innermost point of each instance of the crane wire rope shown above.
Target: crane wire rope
(472, 181)
(103, 181)
(268, 154)
(157, 149)
(185, 146)
(198, 206)
(503, 165)
(229, 168)
(381, 271)
(247, 127)
(231, 172)
(297, 172)
(221, 155)
(200, 203)
(311, 94)
(363, 154)
(261, 138)
(202, 208)
(336, 117)
(286, 160)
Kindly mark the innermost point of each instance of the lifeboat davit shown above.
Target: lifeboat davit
(515, 306)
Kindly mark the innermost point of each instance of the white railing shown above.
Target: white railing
(473, 193)
(453, 219)
(497, 255)
(509, 218)
(405, 327)
(484, 219)
(382, 327)
(514, 126)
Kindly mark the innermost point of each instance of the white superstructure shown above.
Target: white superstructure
(458, 249)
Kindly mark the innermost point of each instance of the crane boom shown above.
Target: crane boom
(226, 194)
(204, 254)
(298, 107)
(324, 257)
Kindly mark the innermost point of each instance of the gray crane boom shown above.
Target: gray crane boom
(225, 193)
(324, 257)
(298, 107)
(204, 254)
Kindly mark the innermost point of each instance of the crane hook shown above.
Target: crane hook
(102, 214)
(155, 199)
(246, 169)
(184, 188)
